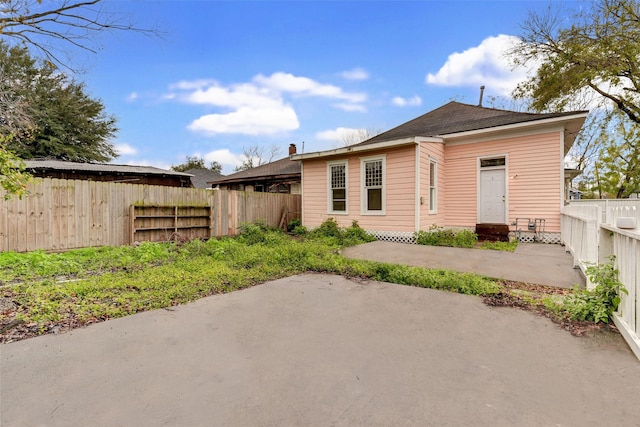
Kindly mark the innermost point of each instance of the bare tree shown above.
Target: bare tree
(356, 136)
(255, 156)
(584, 151)
(14, 108)
(41, 24)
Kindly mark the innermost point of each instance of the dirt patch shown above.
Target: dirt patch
(514, 296)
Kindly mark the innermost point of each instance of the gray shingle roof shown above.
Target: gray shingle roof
(202, 177)
(99, 167)
(280, 167)
(456, 117)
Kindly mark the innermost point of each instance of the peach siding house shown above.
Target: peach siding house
(457, 166)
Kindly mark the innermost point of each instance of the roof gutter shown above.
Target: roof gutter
(365, 147)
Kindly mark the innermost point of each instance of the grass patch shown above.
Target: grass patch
(50, 292)
(499, 246)
(108, 283)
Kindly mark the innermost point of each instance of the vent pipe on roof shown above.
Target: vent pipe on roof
(481, 93)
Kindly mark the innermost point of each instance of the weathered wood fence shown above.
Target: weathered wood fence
(61, 214)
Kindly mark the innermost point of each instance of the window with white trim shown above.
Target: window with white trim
(337, 174)
(433, 186)
(373, 194)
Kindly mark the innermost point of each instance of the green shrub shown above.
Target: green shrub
(329, 228)
(254, 233)
(599, 304)
(331, 233)
(438, 236)
(300, 230)
(355, 235)
(295, 222)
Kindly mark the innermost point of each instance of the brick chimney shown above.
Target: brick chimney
(292, 149)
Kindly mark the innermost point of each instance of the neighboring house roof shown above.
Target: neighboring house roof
(452, 120)
(202, 177)
(456, 117)
(103, 168)
(283, 168)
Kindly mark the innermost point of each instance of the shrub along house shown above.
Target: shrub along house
(457, 166)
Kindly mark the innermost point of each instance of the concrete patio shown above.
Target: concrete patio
(536, 263)
(320, 350)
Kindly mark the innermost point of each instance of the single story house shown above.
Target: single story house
(458, 166)
(107, 172)
(280, 176)
(200, 178)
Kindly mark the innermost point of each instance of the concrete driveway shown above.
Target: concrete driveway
(536, 263)
(320, 350)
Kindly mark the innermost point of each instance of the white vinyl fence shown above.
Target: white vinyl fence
(605, 204)
(592, 236)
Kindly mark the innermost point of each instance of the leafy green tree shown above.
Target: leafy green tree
(57, 118)
(195, 162)
(618, 164)
(597, 51)
(13, 178)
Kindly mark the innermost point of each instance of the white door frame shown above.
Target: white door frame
(504, 168)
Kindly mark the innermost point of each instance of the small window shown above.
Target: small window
(338, 187)
(433, 189)
(488, 163)
(373, 186)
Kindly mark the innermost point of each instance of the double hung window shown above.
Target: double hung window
(337, 187)
(373, 189)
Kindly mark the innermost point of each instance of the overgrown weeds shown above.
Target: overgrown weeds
(596, 305)
(438, 236)
(49, 292)
(331, 233)
(500, 246)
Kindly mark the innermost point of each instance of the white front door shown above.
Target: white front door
(492, 196)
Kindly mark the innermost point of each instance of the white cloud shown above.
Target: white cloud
(359, 108)
(224, 157)
(486, 64)
(355, 74)
(192, 84)
(406, 102)
(237, 96)
(248, 121)
(288, 83)
(258, 107)
(125, 149)
(132, 96)
(342, 134)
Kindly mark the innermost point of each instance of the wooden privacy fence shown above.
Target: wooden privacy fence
(61, 214)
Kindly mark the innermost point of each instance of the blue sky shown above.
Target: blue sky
(231, 74)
